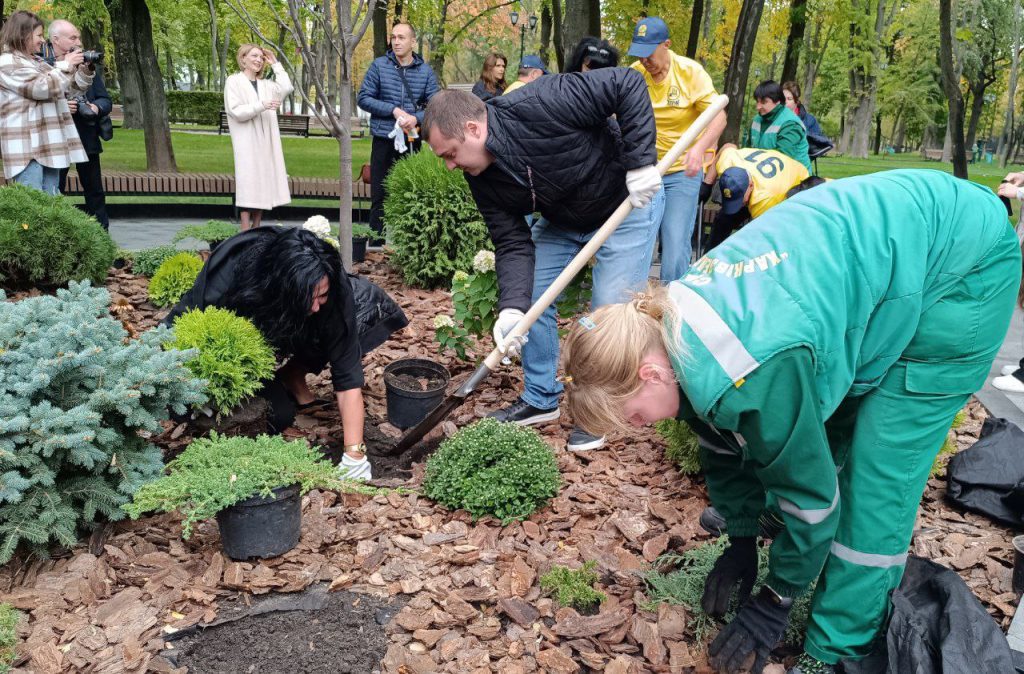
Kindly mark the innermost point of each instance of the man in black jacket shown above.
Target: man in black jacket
(64, 38)
(552, 148)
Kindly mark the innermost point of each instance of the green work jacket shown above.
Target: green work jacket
(781, 130)
(813, 302)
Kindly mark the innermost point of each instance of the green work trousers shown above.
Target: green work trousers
(885, 443)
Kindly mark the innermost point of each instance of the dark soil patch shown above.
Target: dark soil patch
(323, 632)
(408, 382)
(378, 446)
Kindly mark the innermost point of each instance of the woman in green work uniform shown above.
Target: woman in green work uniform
(820, 354)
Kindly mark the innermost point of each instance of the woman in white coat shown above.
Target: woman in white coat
(261, 182)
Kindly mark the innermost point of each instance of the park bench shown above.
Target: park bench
(289, 125)
(936, 155)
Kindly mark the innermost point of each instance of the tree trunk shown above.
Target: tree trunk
(557, 35)
(132, 33)
(224, 57)
(977, 105)
(545, 34)
(739, 67)
(695, 24)
(437, 55)
(1006, 137)
(213, 40)
(877, 145)
(797, 23)
(951, 87)
(578, 23)
(380, 29)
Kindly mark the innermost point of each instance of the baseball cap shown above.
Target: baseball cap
(733, 183)
(647, 35)
(533, 61)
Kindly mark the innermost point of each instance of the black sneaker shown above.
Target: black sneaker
(524, 414)
(581, 441)
(769, 524)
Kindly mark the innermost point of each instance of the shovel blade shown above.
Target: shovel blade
(436, 416)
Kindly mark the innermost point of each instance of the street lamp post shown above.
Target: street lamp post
(514, 18)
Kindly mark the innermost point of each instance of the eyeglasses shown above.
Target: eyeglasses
(591, 49)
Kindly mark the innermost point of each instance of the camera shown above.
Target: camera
(84, 111)
(92, 57)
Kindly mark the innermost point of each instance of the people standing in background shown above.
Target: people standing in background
(530, 68)
(395, 91)
(593, 53)
(64, 39)
(680, 90)
(37, 134)
(251, 102)
(492, 77)
(776, 127)
(816, 138)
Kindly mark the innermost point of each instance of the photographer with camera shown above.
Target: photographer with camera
(37, 134)
(91, 113)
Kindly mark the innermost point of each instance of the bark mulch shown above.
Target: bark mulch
(473, 594)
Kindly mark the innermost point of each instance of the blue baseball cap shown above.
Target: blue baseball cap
(533, 61)
(733, 183)
(647, 35)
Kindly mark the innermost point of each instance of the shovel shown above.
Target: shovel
(437, 415)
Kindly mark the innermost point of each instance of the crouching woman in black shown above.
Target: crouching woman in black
(291, 285)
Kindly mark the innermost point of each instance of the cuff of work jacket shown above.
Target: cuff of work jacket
(783, 588)
(742, 527)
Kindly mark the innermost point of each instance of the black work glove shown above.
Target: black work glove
(757, 628)
(705, 192)
(737, 564)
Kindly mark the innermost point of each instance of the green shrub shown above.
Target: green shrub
(493, 468)
(432, 221)
(217, 472)
(681, 447)
(9, 617)
(573, 588)
(361, 231)
(78, 400)
(474, 298)
(214, 231)
(146, 262)
(174, 278)
(46, 242)
(685, 586)
(232, 354)
(195, 107)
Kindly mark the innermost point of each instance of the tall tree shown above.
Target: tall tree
(545, 33)
(1006, 137)
(868, 25)
(738, 72)
(951, 87)
(794, 42)
(380, 29)
(132, 33)
(582, 18)
(693, 39)
(558, 35)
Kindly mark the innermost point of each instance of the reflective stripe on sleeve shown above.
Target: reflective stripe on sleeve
(717, 337)
(815, 516)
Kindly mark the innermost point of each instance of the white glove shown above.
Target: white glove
(398, 133)
(643, 184)
(352, 469)
(508, 319)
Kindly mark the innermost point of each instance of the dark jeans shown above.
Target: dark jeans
(382, 158)
(92, 188)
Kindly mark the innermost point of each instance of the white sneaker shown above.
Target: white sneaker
(351, 469)
(1009, 369)
(1008, 383)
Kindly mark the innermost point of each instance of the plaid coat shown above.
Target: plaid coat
(35, 120)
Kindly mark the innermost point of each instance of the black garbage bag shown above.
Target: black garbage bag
(988, 477)
(938, 626)
(377, 314)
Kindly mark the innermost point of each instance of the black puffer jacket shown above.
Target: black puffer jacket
(557, 152)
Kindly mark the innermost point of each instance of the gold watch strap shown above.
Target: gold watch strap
(359, 447)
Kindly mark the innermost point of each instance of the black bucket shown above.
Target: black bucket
(358, 249)
(262, 526)
(408, 406)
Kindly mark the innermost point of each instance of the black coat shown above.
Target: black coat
(557, 152)
(88, 127)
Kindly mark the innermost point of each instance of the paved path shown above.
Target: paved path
(142, 233)
(1000, 403)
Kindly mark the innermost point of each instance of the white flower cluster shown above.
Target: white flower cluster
(483, 262)
(443, 321)
(319, 225)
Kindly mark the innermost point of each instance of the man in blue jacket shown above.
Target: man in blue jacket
(396, 88)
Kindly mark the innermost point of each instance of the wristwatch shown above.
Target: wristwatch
(358, 447)
(773, 597)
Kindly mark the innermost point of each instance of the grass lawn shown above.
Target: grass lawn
(842, 167)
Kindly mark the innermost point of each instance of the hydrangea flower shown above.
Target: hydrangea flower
(319, 225)
(483, 262)
(460, 277)
(443, 321)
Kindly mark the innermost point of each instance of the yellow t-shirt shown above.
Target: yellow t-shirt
(678, 100)
(773, 174)
(512, 87)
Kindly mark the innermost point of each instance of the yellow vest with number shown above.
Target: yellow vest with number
(772, 173)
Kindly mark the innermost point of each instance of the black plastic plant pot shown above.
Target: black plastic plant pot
(414, 387)
(262, 526)
(358, 249)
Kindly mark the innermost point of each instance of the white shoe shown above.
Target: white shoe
(352, 469)
(1009, 369)
(1008, 383)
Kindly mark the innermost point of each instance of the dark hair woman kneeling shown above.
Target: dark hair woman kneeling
(292, 286)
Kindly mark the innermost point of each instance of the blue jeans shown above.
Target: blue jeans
(623, 264)
(681, 197)
(40, 177)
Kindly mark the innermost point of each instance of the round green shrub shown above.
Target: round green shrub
(214, 231)
(432, 222)
(146, 262)
(46, 242)
(174, 278)
(233, 356)
(493, 468)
